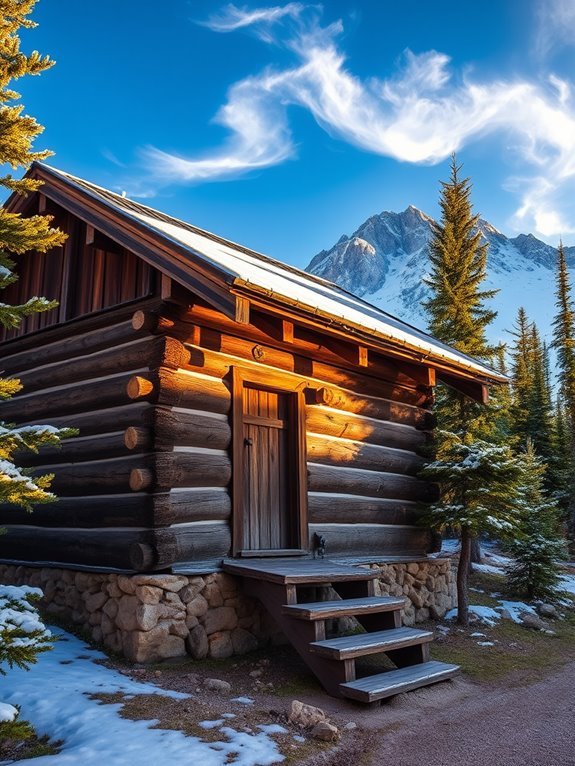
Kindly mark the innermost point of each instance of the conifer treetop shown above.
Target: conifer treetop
(458, 261)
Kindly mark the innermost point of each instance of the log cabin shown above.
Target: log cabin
(233, 411)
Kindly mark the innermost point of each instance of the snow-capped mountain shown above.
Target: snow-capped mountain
(385, 259)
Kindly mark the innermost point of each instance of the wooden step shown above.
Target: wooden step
(297, 572)
(373, 688)
(325, 610)
(361, 644)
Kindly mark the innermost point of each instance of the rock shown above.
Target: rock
(110, 608)
(217, 685)
(95, 601)
(197, 643)
(126, 584)
(213, 595)
(147, 594)
(126, 617)
(220, 645)
(532, 621)
(304, 715)
(172, 583)
(197, 607)
(179, 628)
(220, 618)
(549, 611)
(256, 673)
(243, 641)
(191, 590)
(350, 726)
(325, 731)
(172, 646)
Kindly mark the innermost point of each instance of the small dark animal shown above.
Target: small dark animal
(319, 545)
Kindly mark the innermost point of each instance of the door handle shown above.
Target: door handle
(248, 442)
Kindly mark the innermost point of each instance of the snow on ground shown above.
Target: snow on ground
(53, 696)
(491, 615)
(487, 569)
(567, 583)
(484, 613)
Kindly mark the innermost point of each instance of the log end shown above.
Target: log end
(141, 479)
(138, 387)
(145, 320)
(142, 556)
(137, 438)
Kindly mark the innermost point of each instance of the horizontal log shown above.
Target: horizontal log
(178, 388)
(320, 420)
(99, 548)
(216, 352)
(136, 354)
(191, 542)
(329, 508)
(125, 510)
(266, 329)
(103, 420)
(380, 409)
(330, 450)
(92, 477)
(57, 345)
(171, 428)
(139, 473)
(63, 400)
(193, 468)
(151, 322)
(373, 540)
(186, 505)
(352, 481)
(80, 448)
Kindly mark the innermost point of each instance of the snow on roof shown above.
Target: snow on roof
(261, 274)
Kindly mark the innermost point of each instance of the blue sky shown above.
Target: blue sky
(283, 126)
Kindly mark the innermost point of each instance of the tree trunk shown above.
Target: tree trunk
(462, 578)
(474, 553)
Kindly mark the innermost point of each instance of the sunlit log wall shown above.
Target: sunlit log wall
(147, 483)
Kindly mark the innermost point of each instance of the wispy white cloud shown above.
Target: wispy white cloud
(421, 114)
(555, 25)
(232, 18)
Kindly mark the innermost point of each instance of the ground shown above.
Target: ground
(513, 703)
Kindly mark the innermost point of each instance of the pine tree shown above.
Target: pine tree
(564, 343)
(539, 419)
(521, 354)
(538, 544)
(478, 495)
(19, 235)
(22, 635)
(458, 262)
(459, 316)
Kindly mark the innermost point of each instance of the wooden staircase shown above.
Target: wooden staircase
(278, 583)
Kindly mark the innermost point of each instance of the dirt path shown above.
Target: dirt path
(469, 725)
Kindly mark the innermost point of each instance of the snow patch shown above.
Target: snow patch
(55, 700)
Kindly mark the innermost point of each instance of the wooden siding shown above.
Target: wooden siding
(88, 273)
(148, 482)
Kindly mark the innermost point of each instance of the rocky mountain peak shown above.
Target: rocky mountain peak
(385, 259)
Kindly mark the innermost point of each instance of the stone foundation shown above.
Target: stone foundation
(429, 587)
(153, 617)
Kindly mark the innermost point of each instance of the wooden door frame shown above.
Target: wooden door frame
(282, 384)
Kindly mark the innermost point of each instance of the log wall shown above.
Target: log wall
(147, 482)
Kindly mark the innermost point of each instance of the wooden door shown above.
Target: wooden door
(269, 510)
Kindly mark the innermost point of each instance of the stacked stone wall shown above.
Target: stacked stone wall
(153, 617)
(428, 586)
